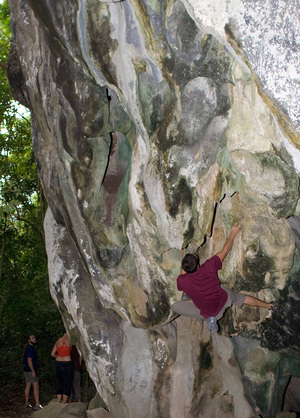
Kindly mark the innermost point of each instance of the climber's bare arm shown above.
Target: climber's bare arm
(229, 243)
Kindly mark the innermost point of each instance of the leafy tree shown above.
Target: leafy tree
(25, 303)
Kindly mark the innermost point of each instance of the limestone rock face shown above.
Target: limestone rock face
(267, 34)
(155, 128)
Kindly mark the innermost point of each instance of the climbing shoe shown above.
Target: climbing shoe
(274, 307)
(212, 324)
(37, 407)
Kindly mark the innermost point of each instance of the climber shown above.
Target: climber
(209, 299)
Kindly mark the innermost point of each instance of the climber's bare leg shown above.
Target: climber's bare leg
(252, 301)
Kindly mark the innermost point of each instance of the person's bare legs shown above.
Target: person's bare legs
(27, 392)
(59, 398)
(65, 398)
(36, 390)
(252, 301)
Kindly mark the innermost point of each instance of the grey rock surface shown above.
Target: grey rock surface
(266, 33)
(61, 410)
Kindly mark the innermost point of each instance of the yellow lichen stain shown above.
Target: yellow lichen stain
(281, 118)
(140, 65)
(140, 301)
(197, 155)
(145, 25)
(133, 299)
(217, 187)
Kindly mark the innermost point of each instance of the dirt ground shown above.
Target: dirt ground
(13, 405)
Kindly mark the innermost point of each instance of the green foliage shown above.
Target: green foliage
(6, 100)
(26, 306)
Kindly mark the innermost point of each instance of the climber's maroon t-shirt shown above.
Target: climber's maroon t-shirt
(203, 287)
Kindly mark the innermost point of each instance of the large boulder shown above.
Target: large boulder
(156, 126)
(61, 410)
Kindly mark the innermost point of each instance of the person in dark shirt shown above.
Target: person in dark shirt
(77, 360)
(30, 362)
(209, 299)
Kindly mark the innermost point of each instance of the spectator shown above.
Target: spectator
(63, 367)
(77, 360)
(30, 373)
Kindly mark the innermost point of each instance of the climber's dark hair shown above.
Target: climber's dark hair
(190, 263)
